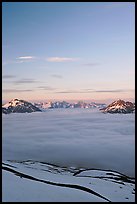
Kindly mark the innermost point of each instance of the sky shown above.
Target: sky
(68, 51)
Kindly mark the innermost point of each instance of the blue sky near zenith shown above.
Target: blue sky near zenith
(68, 51)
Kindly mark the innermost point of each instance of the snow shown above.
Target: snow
(42, 192)
(6, 105)
(24, 188)
(74, 139)
(120, 106)
(12, 103)
(29, 191)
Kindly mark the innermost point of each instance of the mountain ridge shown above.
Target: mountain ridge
(22, 106)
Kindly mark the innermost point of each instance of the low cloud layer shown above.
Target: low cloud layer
(16, 90)
(8, 76)
(49, 88)
(25, 81)
(94, 91)
(72, 137)
(111, 91)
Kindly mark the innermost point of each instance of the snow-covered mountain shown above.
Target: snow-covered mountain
(119, 106)
(64, 104)
(19, 106)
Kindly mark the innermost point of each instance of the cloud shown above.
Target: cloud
(61, 59)
(114, 90)
(88, 89)
(108, 91)
(19, 60)
(16, 90)
(94, 91)
(8, 76)
(26, 57)
(23, 59)
(80, 139)
(71, 91)
(24, 81)
(46, 88)
(57, 76)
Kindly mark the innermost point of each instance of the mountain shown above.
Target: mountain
(119, 106)
(19, 106)
(64, 104)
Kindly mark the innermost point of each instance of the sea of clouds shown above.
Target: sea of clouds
(71, 137)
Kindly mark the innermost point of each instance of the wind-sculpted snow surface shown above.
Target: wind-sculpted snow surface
(72, 137)
(41, 182)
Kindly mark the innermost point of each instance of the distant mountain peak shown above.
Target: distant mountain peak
(64, 104)
(119, 106)
(19, 106)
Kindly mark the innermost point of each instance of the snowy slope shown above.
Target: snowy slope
(40, 182)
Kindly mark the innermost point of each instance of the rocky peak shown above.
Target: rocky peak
(19, 106)
(119, 106)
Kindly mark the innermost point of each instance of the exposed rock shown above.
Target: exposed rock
(19, 106)
(119, 106)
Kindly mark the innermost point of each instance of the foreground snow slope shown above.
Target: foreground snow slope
(31, 181)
